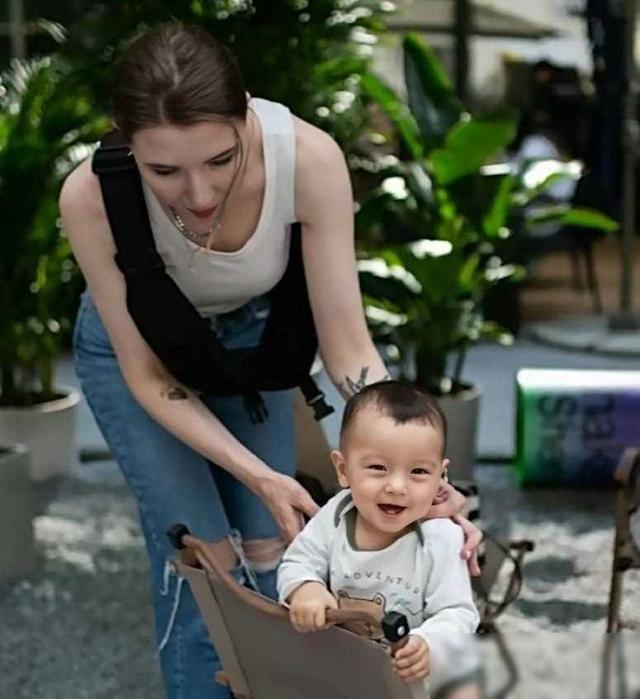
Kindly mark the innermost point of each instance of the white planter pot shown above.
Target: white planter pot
(47, 430)
(461, 411)
(17, 552)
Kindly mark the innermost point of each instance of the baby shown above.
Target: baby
(371, 548)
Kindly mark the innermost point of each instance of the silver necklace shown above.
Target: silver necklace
(194, 237)
(200, 239)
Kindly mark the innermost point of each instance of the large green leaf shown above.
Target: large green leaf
(572, 216)
(469, 144)
(43, 118)
(496, 218)
(396, 111)
(535, 177)
(475, 197)
(430, 94)
(437, 275)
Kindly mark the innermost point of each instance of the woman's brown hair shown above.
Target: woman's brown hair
(176, 74)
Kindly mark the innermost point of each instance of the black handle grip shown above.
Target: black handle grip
(175, 534)
(395, 627)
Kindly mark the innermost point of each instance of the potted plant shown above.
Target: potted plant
(17, 549)
(433, 232)
(44, 123)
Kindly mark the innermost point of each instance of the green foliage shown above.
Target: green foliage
(396, 111)
(469, 144)
(433, 229)
(43, 120)
(307, 54)
(576, 216)
(431, 96)
(434, 282)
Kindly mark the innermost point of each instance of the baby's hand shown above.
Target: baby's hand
(308, 606)
(411, 661)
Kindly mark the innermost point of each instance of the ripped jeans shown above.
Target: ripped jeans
(172, 483)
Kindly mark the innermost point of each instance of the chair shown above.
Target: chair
(495, 589)
(264, 657)
(626, 554)
(577, 241)
(626, 547)
(500, 580)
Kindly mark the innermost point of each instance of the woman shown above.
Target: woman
(224, 176)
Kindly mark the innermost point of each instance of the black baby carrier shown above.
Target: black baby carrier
(182, 339)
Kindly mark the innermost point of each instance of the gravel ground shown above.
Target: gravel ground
(81, 626)
(556, 626)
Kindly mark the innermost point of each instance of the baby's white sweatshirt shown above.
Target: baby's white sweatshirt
(420, 575)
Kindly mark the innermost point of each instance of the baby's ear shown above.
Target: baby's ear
(340, 466)
(445, 469)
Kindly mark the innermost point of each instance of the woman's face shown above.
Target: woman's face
(190, 168)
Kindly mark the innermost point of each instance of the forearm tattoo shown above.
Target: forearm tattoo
(349, 387)
(174, 392)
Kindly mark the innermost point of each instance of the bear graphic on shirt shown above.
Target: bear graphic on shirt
(375, 607)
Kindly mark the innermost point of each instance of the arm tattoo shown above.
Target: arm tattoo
(353, 387)
(174, 393)
(349, 387)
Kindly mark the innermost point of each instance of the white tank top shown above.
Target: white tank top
(219, 282)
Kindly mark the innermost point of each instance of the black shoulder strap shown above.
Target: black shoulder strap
(193, 348)
(125, 204)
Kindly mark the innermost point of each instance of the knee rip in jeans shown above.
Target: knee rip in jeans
(257, 555)
(264, 555)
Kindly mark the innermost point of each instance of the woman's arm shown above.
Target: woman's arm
(324, 206)
(170, 403)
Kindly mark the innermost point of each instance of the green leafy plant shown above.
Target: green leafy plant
(307, 54)
(434, 228)
(44, 122)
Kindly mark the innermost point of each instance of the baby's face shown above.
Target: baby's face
(393, 470)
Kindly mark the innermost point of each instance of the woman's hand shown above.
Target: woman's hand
(448, 503)
(287, 501)
(472, 539)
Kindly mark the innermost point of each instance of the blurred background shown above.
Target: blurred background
(493, 149)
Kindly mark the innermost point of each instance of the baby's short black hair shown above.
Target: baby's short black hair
(401, 401)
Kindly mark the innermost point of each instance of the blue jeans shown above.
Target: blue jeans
(172, 483)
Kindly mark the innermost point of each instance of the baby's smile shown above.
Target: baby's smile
(391, 510)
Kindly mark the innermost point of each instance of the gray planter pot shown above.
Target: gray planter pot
(17, 551)
(462, 412)
(48, 432)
